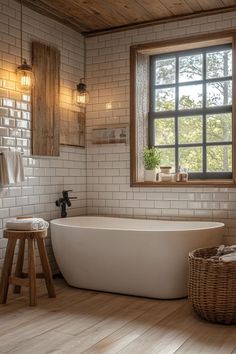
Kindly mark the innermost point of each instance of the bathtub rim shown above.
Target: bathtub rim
(59, 222)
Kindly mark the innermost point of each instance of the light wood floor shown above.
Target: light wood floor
(79, 321)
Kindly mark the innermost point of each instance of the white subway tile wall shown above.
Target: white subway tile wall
(108, 181)
(108, 189)
(45, 177)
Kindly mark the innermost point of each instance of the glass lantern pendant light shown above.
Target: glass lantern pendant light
(25, 78)
(81, 96)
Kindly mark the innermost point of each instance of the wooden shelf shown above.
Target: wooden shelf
(198, 183)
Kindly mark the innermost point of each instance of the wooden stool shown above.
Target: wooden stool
(20, 278)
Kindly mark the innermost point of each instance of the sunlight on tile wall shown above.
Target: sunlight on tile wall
(45, 177)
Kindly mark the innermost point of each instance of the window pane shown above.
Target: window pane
(190, 130)
(219, 158)
(219, 127)
(191, 157)
(184, 86)
(168, 157)
(190, 96)
(165, 71)
(190, 68)
(219, 93)
(165, 99)
(165, 131)
(219, 64)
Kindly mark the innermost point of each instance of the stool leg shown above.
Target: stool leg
(6, 271)
(32, 273)
(19, 265)
(46, 267)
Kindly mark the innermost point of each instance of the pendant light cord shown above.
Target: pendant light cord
(21, 32)
(85, 48)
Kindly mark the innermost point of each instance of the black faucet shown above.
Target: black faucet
(63, 202)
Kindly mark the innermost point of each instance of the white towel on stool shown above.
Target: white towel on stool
(28, 224)
(11, 168)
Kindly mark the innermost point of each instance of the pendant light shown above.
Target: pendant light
(81, 96)
(24, 74)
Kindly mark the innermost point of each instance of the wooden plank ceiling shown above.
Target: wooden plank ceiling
(92, 17)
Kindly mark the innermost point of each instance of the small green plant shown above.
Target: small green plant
(151, 158)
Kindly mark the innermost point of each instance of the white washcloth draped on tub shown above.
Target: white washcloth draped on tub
(28, 224)
(11, 168)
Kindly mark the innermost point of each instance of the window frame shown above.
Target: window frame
(204, 111)
(174, 45)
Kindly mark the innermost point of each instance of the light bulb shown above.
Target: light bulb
(25, 77)
(81, 96)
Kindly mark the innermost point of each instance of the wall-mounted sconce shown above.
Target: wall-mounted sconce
(24, 77)
(24, 74)
(81, 96)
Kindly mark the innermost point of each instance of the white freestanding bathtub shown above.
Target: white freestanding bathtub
(130, 256)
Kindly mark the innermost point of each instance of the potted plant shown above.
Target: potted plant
(151, 160)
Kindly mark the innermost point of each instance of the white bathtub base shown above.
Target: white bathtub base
(143, 262)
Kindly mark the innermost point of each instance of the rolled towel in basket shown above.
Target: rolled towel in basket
(228, 257)
(28, 224)
(224, 250)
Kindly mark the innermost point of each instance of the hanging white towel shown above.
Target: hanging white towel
(11, 168)
(4, 180)
(28, 224)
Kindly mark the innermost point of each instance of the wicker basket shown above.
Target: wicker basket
(212, 286)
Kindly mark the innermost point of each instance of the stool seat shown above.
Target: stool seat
(20, 278)
(18, 234)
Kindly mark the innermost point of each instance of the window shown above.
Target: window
(190, 112)
(182, 100)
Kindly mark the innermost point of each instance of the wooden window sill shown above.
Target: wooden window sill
(200, 183)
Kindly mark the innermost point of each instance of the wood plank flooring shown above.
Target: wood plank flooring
(89, 322)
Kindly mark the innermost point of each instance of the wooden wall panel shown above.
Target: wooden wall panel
(45, 100)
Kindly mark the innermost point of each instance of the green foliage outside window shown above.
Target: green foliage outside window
(193, 129)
